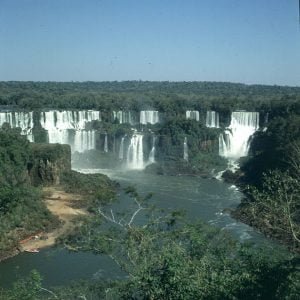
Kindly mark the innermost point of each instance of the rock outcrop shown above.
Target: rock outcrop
(48, 162)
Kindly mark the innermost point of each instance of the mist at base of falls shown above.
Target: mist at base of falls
(133, 152)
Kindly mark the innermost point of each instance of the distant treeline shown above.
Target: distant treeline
(170, 97)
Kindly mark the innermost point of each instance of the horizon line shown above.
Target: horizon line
(156, 81)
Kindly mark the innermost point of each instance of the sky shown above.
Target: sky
(247, 41)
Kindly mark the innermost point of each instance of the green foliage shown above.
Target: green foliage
(273, 171)
(14, 156)
(202, 147)
(85, 183)
(50, 152)
(48, 162)
(98, 189)
(275, 209)
(196, 262)
(206, 161)
(26, 289)
(22, 211)
(272, 149)
(171, 97)
(91, 290)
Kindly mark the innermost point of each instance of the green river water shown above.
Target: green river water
(200, 198)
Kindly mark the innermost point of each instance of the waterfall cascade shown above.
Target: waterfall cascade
(69, 127)
(83, 140)
(149, 116)
(185, 150)
(135, 155)
(151, 159)
(121, 151)
(68, 119)
(105, 143)
(23, 120)
(192, 114)
(212, 119)
(123, 117)
(266, 121)
(234, 143)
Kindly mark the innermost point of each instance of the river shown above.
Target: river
(200, 198)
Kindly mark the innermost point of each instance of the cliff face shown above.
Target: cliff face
(48, 162)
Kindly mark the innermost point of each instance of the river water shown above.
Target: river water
(200, 198)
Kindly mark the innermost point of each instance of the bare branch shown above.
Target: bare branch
(291, 223)
(50, 292)
(134, 215)
(121, 222)
(111, 219)
(112, 214)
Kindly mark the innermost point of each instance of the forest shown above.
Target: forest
(172, 97)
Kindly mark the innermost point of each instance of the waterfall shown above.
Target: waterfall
(83, 140)
(114, 144)
(105, 144)
(192, 114)
(124, 117)
(135, 155)
(68, 119)
(212, 119)
(151, 159)
(185, 150)
(23, 120)
(70, 127)
(234, 142)
(149, 116)
(121, 151)
(266, 118)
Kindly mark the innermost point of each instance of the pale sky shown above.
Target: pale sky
(255, 41)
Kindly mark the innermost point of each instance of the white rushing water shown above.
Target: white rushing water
(151, 159)
(70, 127)
(212, 119)
(105, 143)
(123, 117)
(61, 120)
(192, 114)
(234, 142)
(23, 120)
(84, 140)
(121, 151)
(185, 150)
(149, 116)
(135, 155)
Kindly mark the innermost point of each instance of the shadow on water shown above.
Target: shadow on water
(58, 266)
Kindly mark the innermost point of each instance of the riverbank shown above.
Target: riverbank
(63, 205)
(280, 233)
(271, 209)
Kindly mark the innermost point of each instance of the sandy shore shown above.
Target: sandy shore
(60, 204)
